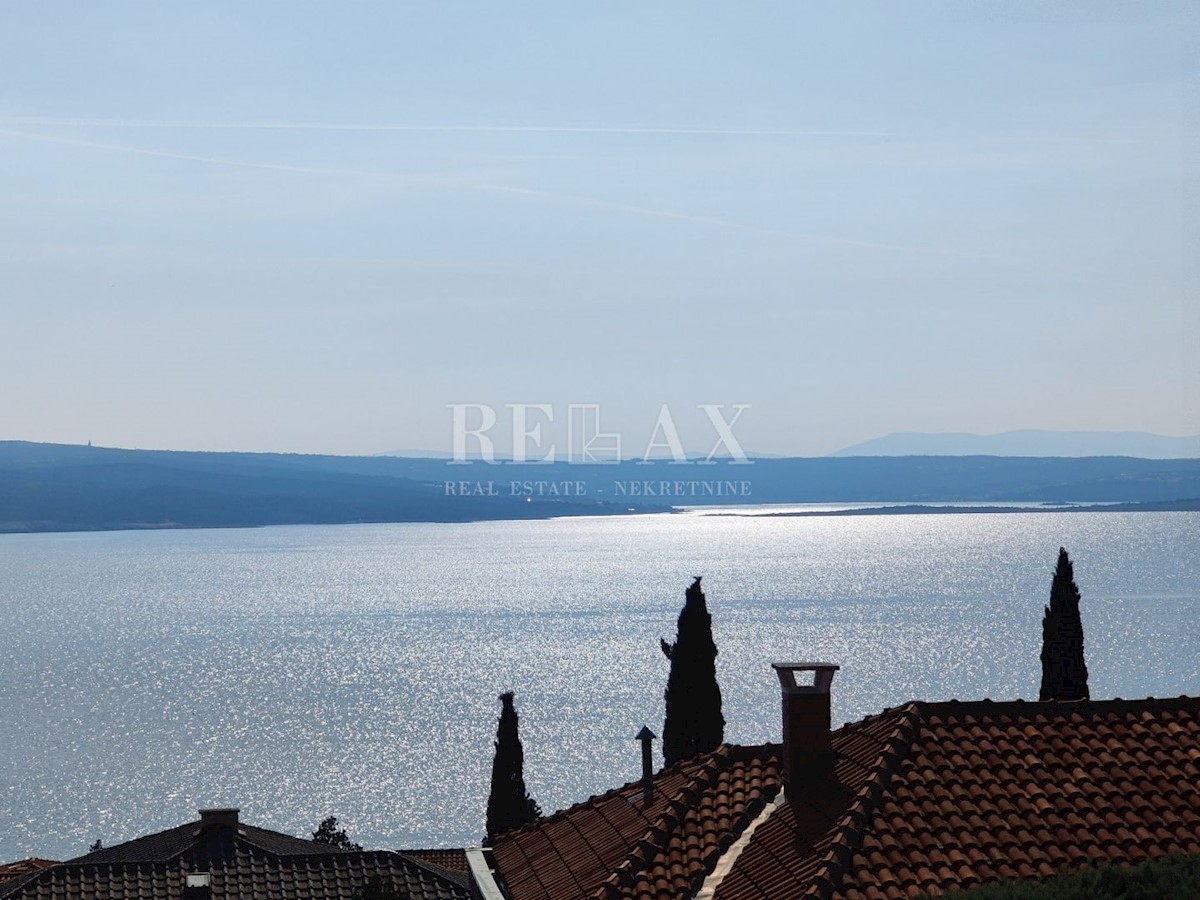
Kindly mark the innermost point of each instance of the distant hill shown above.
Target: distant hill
(64, 487)
(1139, 444)
(61, 487)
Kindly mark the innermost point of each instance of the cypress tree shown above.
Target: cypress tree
(1064, 672)
(509, 804)
(693, 722)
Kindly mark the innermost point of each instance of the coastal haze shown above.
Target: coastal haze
(1030, 443)
(353, 671)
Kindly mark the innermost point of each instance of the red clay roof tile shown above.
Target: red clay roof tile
(929, 797)
(452, 859)
(1058, 786)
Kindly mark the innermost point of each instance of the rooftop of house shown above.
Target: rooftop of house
(447, 858)
(925, 797)
(221, 857)
(13, 870)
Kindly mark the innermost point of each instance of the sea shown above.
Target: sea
(301, 672)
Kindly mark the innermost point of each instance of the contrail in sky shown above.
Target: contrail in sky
(686, 217)
(479, 129)
(461, 184)
(168, 154)
(200, 125)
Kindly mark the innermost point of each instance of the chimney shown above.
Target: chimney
(224, 817)
(807, 751)
(646, 736)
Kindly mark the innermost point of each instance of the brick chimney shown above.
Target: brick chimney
(807, 751)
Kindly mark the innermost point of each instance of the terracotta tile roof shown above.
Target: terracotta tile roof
(454, 859)
(621, 845)
(14, 870)
(731, 795)
(928, 797)
(343, 877)
(456, 876)
(242, 861)
(970, 793)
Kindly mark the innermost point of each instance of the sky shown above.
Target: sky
(312, 227)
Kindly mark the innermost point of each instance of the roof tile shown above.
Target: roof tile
(1055, 786)
(928, 797)
(241, 861)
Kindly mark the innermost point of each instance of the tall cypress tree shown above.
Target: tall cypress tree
(509, 804)
(1064, 673)
(693, 722)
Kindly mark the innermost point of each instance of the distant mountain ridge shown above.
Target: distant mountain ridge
(1029, 442)
(58, 487)
(66, 487)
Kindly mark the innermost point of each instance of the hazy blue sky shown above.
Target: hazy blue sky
(304, 226)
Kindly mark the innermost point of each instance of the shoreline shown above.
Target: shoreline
(918, 509)
(906, 509)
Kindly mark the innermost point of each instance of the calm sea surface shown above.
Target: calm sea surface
(353, 670)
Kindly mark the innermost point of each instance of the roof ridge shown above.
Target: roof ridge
(110, 864)
(431, 867)
(656, 838)
(872, 718)
(16, 883)
(1019, 706)
(284, 858)
(665, 772)
(248, 834)
(743, 752)
(849, 827)
(750, 814)
(106, 855)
